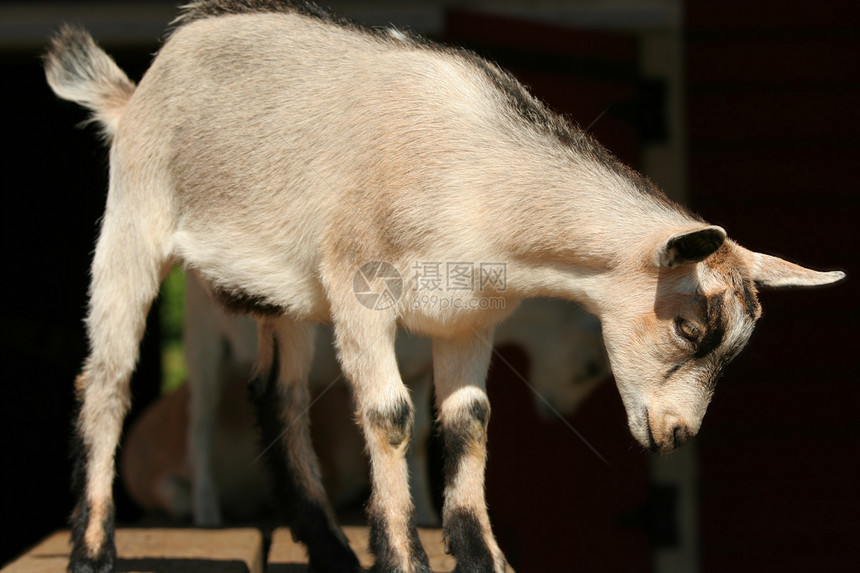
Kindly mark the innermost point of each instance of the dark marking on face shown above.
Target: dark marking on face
(236, 301)
(732, 351)
(652, 443)
(671, 372)
(726, 262)
(307, 517)
(749, 299)
(464, 539)
(714, 372)
(383, 549)
(715, 328)
(469, 429)
(396, 422)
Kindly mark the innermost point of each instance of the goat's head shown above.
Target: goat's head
(677, 318)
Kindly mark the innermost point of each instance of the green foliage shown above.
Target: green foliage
(172, 317)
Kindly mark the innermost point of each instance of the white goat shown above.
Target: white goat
(563, 342)
(303, 167)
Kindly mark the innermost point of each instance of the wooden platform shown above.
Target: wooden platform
(159, 550)
(212, 551)
(286, 556)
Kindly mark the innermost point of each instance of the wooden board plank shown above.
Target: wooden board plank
(162, 550)
(287, 556)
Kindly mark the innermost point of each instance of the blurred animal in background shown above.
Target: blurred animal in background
(195, 453)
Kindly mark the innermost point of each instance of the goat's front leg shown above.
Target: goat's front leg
(460, 369)
(385, 413)
(282, 399)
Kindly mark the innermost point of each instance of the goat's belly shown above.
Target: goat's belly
(287, 292)
(246, 276)
(453, 316)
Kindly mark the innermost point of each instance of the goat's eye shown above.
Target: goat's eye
(687, 330)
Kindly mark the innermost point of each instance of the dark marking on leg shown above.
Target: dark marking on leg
(462, 434)
(328, 549)
(466, 527)
(85, 559)
(464, 539)
(82, 560)
(392, 426)
(395, 423)
(383, 551)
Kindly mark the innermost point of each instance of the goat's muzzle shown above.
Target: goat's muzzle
(675, 435)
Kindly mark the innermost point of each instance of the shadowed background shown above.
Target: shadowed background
(746, 111)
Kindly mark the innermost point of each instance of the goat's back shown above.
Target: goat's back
(311, 129)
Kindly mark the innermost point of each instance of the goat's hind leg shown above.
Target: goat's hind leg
(282, 399)
(126, 272)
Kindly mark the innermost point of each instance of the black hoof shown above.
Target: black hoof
(82, 559)
(465, 538)
(104, 562)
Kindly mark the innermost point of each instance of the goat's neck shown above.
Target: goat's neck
(575, 227)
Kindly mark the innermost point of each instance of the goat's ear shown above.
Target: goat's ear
(774, 272)
(690, 247)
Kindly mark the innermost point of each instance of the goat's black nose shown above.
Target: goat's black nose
(681, 434)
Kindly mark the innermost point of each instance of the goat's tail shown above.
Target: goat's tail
(79, 71)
